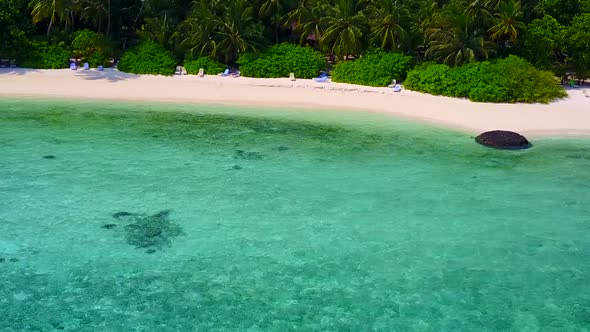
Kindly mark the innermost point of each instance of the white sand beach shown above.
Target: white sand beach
(569, 116)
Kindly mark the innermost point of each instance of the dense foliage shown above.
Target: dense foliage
(505, 80)
(89, 47)
(41, 55)
(551, 34)
(210, 66)
(147, 58)
(282, 59)
(375, 68)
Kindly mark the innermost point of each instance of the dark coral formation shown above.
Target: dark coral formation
(109, 226)
(248, 155)
(122, 214)
(49, 157)
(501, 139)
(149, 231)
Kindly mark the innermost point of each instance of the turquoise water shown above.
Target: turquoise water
(129, 217)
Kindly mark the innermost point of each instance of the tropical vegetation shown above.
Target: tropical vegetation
(550, 34)
(503, 80)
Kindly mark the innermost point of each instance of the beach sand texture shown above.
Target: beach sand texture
(566, 117)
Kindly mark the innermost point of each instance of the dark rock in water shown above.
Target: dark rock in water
(164, 214)
(121, 214)
(2, 259)
(237, 167)
(248, 155)
(501, 139)
(14, 260)
(150, 251)
(49, 157)
(109, 226)
(155, 231)
(283, 148)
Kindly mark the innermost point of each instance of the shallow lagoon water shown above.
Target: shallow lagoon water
(283, 221)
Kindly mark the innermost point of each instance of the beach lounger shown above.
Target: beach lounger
(321, 79)
(73, 66)
(225, 72)
(86, 66)
(100, 68)
(397, 88)
(292, 76)
(201, 72)
(236, 74)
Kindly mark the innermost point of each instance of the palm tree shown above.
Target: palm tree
(307, 19)
(455, 39)
(194, 34)
(386, 20)
(239, 30)
(219, 29)
(53, 10)
(507, 23)
(275, 9)
(345, 26)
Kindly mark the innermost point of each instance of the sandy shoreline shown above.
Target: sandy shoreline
(567, 117)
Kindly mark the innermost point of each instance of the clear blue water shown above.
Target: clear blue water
(246, 220)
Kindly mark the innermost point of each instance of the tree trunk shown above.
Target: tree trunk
(138, 14)
(108, 31)
(50, 24)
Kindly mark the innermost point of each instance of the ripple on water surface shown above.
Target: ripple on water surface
(120, 216)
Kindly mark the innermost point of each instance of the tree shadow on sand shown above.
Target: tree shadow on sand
(16, 71)
(109, 74)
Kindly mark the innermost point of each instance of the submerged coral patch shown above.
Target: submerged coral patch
(149, 231)
(248, 155)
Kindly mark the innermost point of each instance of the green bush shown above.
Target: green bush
(147, 58)
(90, 47)
(44, 56)
(376, 68)
(282, 59)
(512, 80)
(210, 66)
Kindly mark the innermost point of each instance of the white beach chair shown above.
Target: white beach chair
(292, 76)
(201, 72)
(225, 72)
(397, 88)
(86, 66)
(73, 66)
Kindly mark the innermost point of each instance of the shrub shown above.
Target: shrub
(90, 47)
(210, 66)
(44, 56)
(376, 68)
(282, 59)
(147, 58)
(512, 80)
